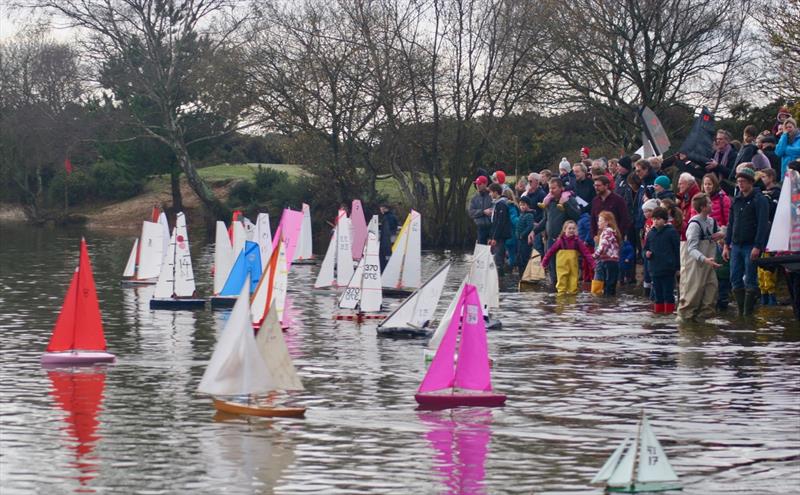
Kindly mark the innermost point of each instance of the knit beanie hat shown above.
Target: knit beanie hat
(564, 165)
(650, 204)
(663, 181)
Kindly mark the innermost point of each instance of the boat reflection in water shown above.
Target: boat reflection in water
(79, 393)
(460, 438)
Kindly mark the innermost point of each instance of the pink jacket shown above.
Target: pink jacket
(608, 246)
(720, 208)
(564, 242)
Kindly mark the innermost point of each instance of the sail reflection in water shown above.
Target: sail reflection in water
(79, 393)
(460, 438)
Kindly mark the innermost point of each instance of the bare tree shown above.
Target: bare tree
(780, 30)
(167, 63)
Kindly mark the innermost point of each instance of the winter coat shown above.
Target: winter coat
(788, 152)
(665, 246)
(772, 194)
(720, 208)
(554, 217)
(749, 220)
(685, 202)
(616, 205)
(584, 189)
(564, 242)
(607, 246)
(477, 204)
(537, 196)
(641, 197)
(501, 227)
(745, 154)
(524, 226)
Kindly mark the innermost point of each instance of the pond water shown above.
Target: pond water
(723, 398)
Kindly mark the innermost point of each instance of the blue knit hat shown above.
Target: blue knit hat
(663, 181)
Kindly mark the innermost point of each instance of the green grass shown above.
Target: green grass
(245, 171)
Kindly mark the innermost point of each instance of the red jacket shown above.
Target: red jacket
(720, 208)
(564, 242)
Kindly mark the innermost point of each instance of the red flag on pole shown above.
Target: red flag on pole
(68, 165)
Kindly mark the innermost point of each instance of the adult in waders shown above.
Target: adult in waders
(698, 285)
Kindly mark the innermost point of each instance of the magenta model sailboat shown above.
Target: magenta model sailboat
(459, 373)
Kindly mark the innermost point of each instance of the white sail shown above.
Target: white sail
(276, 355)
(165, 286)
(262, 235)
(344, 256)
(653, 464)
(130, 266)
(373, 226)
(623, 473)
(151, 250)
(223, 257)
(404, 268)
(419, 307)
(483, 275)
(249, 229)
(238, 239)
(258, 300)
(781, 231)
(371, 291)
(281, 282)
(237, 366)
(441, 328)
(303, 251)
(184, 275)
(611, 464)
(326, 276)
(352, 294)
(162, 220)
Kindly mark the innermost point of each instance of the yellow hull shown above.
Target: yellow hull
(261, 410)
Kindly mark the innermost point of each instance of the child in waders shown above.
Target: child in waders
(662, 250)
(606, 254)
(698, 287)
(566, 250)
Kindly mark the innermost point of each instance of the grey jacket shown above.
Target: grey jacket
(477, 204)
(554, 217)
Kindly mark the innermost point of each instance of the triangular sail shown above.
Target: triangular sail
(472, 367)
(611, 464)
(404, 268)
(483, 275)
(281, 283)
(441, 372)
(352, 294)
(130, 266)
(653, 464)
(237, 366)
(304, 245)
(151, 250)
(184, 275)
(326, 276)
(419, 307)
(262, 235)
(238, 238)
(371, 291)
(374, 225)
(162, 220)
(444, 323)
(165, 286)
(248, 263)
(623, 474)
(344, 257)
(276, 355)
(785, 232)
(249, 229)
(260, 301)
(79, 325)
(223, 257)
(289, 232)
(359, 229)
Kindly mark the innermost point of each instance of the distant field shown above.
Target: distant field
(245, 171)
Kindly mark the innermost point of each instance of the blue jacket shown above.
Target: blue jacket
(665, 245)
(787, 152)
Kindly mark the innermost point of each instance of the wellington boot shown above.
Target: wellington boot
(669, 308)
(658, 308)
(750, 297)
(773, 301)
(764, 299)
(738, 294)
(597, 287)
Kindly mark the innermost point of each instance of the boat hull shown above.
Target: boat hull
(309, 261)
(493, 324)
(218, 302)
(77, 358)
(135, 281)
(359, 317)
(258, 410)
(644, 487)
(177, 303)
(403, 332)
(448, 400)
(399, 293)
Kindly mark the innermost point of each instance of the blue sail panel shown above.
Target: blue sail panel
(248, 262)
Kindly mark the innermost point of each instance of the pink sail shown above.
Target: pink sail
(289, 229)
(359, 226)
(471, 370)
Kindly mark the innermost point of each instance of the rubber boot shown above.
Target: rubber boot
(738, 294)
(658, 308)
(669, 308)
(750, 297)
(772, 300)
(597, 287)
(764, 299)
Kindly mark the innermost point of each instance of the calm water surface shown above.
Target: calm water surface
(724, 399)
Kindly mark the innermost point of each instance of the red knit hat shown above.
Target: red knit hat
(585, 150)
(500, 177)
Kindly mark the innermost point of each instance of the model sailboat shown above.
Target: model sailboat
(337, 266)
(363, 294)
(483, 275)
(412, 318)
(175, 288)
(238, 375)
(247, 264)
(650, 472)
(403, 272)
(272, 288)
(78, 335)
(358, 224)
(147, 253)
(303, 254)
(459, 374)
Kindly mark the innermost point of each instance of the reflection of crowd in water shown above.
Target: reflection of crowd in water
(703, 224)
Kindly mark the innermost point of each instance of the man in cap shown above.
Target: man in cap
(479, 205)
(584, 153)
(745, 239)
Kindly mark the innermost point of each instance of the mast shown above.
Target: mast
(635, 467)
